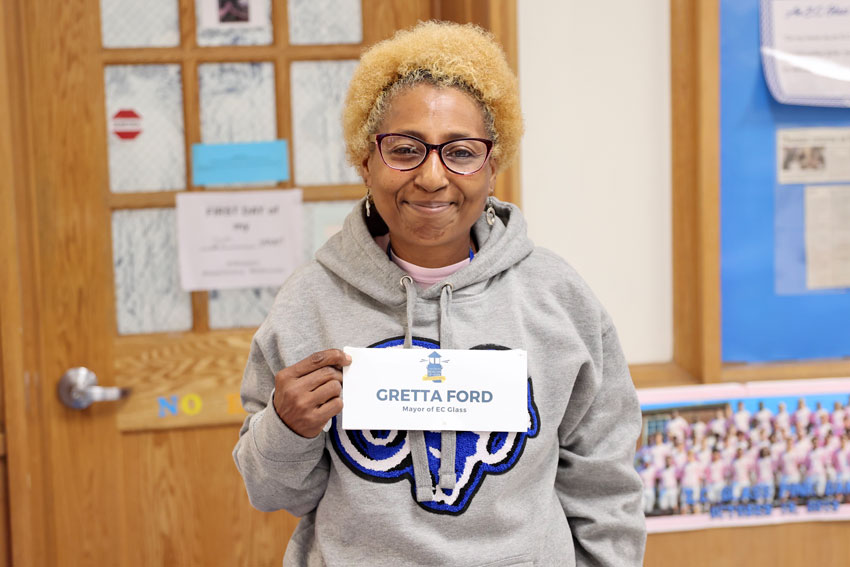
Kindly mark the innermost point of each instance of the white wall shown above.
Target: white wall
(595, 160)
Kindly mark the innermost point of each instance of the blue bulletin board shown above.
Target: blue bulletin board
(768, 314)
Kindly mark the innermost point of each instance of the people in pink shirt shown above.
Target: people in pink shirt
(742, 418)
(668, 477)
(841, 464)
(765, 476)
(718, 425)
(764, 418)
(659, 451)
(698, 431)
(677, 428)
(679, 452)
(782, 420)
(820, 415)
(742, 471)
(715, 477)
(816, 462)
(649, 477)
(777, 445)
(803, 416)
(836, 418)
(691, 479)
(789, 464)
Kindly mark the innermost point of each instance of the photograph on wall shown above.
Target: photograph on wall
(232, 14)
(732, 455)
(812, 155)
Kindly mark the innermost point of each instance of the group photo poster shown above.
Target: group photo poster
(759, 453)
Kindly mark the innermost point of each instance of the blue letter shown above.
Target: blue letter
(169, 404)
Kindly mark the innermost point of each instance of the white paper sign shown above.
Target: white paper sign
(238, 239)
(813, 155)
(435, 390)
(828, 236)
(806, 51)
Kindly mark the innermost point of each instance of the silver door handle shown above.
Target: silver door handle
(78, 389)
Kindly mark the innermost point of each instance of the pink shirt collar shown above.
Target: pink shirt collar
(424, 277)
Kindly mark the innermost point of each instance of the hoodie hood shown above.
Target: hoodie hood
(353, 255)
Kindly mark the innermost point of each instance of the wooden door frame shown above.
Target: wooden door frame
(19, 292)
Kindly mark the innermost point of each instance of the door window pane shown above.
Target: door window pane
(144, 112)
(148, 297)
(131, 23)
(318, 92)
(231, 308)
(323, 22)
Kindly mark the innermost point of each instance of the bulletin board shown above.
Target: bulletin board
(768, 311)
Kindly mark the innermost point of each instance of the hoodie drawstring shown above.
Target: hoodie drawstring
(410, 290)
(448, 439)
(418, 447)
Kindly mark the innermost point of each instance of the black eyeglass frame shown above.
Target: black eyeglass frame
(376, 139)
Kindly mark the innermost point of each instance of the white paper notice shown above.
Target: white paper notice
(435, 390)
(238, 239)
(828, 236)
(806, 51)
(813, 155)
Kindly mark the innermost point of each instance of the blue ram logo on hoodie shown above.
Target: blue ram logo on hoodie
(384, 456)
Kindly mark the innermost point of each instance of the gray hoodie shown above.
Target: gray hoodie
(562, 493)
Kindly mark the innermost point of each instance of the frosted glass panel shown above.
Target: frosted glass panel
(233, 308)
(144, 111)
(132, 23)
(233, 22)
(323, 219)
(318, 91)
(237, 102)
(148, 298)
(322, 22)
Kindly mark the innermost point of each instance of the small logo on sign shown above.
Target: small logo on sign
(434, 368)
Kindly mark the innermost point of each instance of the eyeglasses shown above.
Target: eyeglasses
(463, 156)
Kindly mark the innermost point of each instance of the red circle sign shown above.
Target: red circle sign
(127, 124)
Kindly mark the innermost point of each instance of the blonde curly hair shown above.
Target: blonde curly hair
(444, 54)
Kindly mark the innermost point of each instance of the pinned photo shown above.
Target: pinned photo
(800, 159)
(231, 15)
(812, 155)
(745, 454)
(233, 11)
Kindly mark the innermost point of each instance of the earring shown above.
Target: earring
(490, 212)
(368, 201)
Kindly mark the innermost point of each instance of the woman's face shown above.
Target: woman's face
(430, 210)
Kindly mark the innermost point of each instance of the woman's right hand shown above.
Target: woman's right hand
(306, 394)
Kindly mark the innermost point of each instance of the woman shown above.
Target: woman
(429, 259)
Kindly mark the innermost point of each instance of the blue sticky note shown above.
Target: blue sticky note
(220, 164)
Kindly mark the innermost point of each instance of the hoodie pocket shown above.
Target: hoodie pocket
(518, 561)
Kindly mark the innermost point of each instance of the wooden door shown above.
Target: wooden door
(148, 480)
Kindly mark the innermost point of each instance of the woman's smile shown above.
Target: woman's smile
(430, 208)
